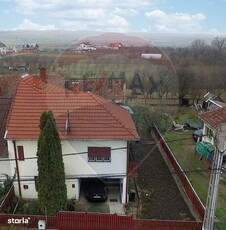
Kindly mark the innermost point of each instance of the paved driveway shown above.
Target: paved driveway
(111, 205)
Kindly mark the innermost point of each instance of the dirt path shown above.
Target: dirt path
(160, 196)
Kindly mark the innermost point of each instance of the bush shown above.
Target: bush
(33, 208)
(29, 207)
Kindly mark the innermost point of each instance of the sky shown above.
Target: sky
(152, 16)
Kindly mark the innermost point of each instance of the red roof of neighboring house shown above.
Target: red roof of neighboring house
(5, 103)
(214, 118)
(116, 44)
(90, 116)
(112, 89)
(8, 84)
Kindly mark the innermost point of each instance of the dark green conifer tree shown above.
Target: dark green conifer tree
(51, 187)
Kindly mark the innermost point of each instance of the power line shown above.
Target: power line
(64, 155)
(121, 148)
(153, 175)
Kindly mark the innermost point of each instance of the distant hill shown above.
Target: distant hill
(62, 39)
(51, 38)
(173, 39)
(107, 38)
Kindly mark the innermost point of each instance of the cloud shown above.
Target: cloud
(33, 5)
(28, 25)
(127, 12)
(87, 14)
(176, 22)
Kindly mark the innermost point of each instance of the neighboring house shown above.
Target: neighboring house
(11, 50)
(94, 133)
(212, 102)
(5, 103)
(113, 89)
(115, 45)
(2, 48)
(28, 48)
(212, 120)
(85, 47)
(8, 85)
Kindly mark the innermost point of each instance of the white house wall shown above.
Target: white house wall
(76, 165)
(79, 165)
(4, 168)
(3, 50)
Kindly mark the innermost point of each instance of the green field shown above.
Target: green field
(182, 145)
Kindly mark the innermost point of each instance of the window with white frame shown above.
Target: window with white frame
(209, 133)
(99, 154)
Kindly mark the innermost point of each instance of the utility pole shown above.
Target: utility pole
(208, 222)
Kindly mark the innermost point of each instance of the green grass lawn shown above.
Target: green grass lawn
(182, 145)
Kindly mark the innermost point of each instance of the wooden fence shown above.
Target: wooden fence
(191, 194)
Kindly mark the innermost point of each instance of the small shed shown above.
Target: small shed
(151, 56)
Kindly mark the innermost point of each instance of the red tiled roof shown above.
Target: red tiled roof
(8, 84)
(112, 89)
(116, 44)
(5, 103)
(214, 118)
(90, 116)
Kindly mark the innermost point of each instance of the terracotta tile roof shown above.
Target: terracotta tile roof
(56, 79)
(112, 89)
(214, 118)
(5, 103)
(116, 44)
(8, 85)
(90, 116)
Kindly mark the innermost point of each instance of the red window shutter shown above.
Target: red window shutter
(20, 150)
(99, 152)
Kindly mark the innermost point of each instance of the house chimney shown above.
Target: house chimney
(35, 81)
(75, 87)
(43, 75)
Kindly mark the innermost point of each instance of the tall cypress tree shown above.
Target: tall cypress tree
(51, 187)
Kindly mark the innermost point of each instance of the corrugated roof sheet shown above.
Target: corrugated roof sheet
(90, 116)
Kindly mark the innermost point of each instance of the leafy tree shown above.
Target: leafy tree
(52, 192)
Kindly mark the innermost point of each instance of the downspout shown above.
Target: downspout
(127, 154)
(17, 169)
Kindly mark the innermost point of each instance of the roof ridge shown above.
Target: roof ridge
(94, 96)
